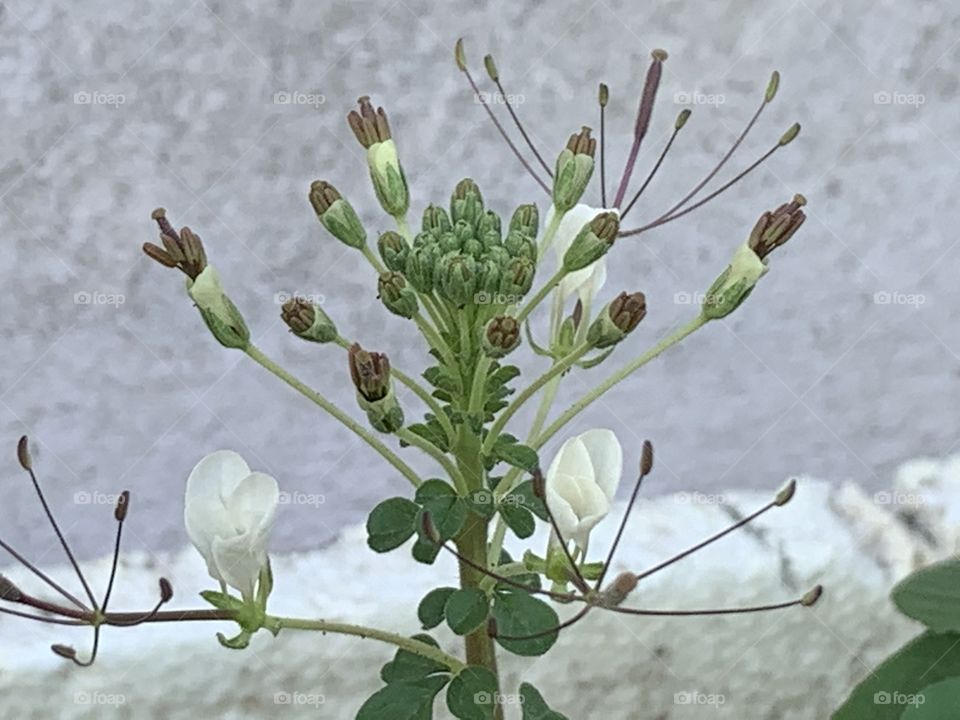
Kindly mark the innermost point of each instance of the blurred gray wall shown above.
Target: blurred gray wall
(842, 364)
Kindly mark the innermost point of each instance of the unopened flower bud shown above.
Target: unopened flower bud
(458, 278)
(393, 250)
(489, 225)
(574, 170)
(397, 296)
(435, 219)
(517, 278)
(617, 320)
(370, 372)
(372, 130)
(749, 262)
(421, 267)
(466, 203)
(526, 219)
(519, 244)
(592, 242)
(336, 214)
(217, 310)
(308, 321)
(488, 277)
(501, 336)
(182, 250)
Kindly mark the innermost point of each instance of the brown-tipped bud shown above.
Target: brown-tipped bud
(620, 589)
(64, 651)
(539, 484)
(369, 126)
(786, 495)
(370, 372)
(772, 87)
(812, 596)
(773, 229)
(166, 590)
(122, 507)
(9, 591)
(577, 315)
(183, 250)
(581, 143)
(682, 118)
(619, 319)
(491, 67)
(459, 56)
(789, 136)
(308, 321)
(501, 336)
(492, 629)
(322, 196)
(23, 454)
(646, 458)
(428, 529)
(603, 95)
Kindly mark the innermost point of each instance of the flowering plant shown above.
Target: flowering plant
(471, 282)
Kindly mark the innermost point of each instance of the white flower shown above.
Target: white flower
(228, 512)
(581, 482)
(585, 283)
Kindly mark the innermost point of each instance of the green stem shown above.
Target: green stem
(415, 646)
(373, 260)
(479, 384)
(541, 294)
(257, 356)
(437, 454)
(557, 369)
(575, 409)
(548, 234)
(433, 337)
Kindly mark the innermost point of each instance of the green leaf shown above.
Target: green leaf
(407, 665)
(524, 496)
(391, 524)
(534, 706)
(448, 511)
(932, 596)
(518, 519)
(409, 700)
(473, 694)
(508, 450)
(425, 551)
(430, 610)
(432, 432)
(481, 502)
(934, 702)
(519, 614)
(466, 610)
(923, 661)
(501, 376)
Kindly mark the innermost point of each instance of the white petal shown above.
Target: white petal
(571, 225)
(238, 561)
(606, 456)
(205, 512)
(253, 504)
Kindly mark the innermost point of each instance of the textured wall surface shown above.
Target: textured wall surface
(110, 109)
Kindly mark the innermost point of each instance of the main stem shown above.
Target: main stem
(472, 544)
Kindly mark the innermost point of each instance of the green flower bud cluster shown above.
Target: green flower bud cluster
(464, 255)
